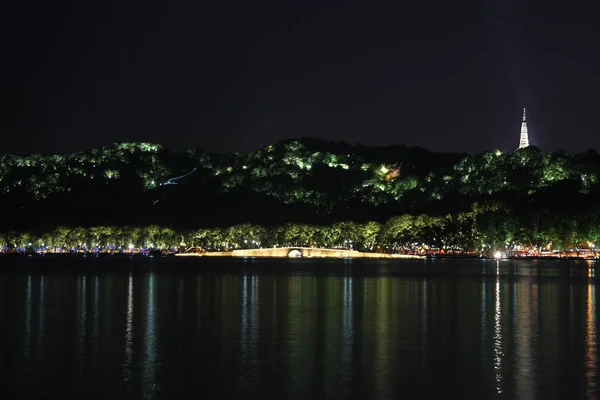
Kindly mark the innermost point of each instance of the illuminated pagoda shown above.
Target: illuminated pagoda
(524, 140)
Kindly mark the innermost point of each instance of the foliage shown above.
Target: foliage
(418, 196)
(482, 229)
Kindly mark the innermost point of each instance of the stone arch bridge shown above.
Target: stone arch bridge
(298, 252)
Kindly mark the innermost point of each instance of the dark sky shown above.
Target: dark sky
(234, 76)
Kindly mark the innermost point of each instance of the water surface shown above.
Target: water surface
(297, 329)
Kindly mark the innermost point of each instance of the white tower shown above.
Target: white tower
(524, 141)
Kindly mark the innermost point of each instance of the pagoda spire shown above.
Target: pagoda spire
(524, 140)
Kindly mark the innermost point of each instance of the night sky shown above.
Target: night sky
(234, 76)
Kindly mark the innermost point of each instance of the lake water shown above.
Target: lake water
(297, 329)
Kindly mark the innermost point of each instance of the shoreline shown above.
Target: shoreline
(232, 255)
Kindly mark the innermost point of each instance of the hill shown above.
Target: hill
(301, 181)
(139, 183)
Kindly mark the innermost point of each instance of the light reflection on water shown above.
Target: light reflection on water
(498, 351)
(254, 322)
(525, 338)
(28, 318)
(81, 339)
(345, 334)
(424, 324)
(149, 363)
(484, 316)
(129, 332)
(383, 341)
(591, 356)
(42, 314)
(94, 335)
(347, 329)
(245, 324)
(249, 327)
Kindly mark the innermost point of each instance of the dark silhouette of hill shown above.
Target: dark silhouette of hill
(303, 181)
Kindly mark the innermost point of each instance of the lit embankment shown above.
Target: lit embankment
(292, 252)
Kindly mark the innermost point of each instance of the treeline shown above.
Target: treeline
(483, 228)
(303, 181)
(297, 182)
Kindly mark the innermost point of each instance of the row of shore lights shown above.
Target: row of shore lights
(498, 254)
(131, 246)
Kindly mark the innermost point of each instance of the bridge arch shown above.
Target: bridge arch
(295, 253)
